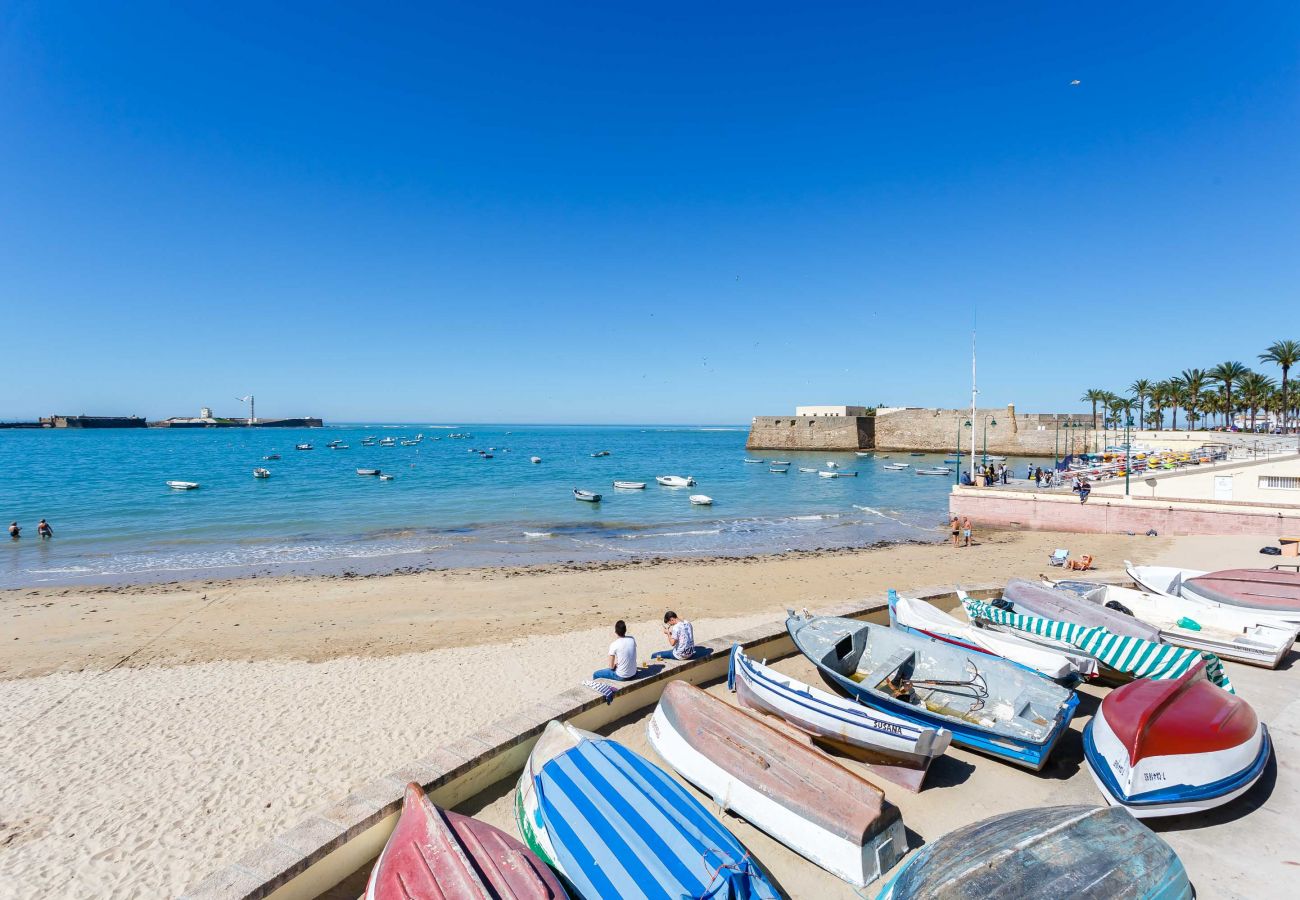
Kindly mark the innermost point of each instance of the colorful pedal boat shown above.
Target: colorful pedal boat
(894, 748)
(615, 825)
(825, 812)
(435, 853)
(1045, 853)
(1165, 748)
(989, 704)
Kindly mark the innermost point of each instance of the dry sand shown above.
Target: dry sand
(151, 734)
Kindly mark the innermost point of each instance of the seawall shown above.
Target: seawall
(811, 433)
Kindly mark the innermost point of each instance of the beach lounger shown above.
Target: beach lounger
(1058, 558)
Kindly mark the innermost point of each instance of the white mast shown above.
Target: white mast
(973, 392)
(252, 418)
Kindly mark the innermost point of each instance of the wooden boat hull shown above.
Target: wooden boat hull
(564, 815)
(1025, 715)
(1174, 747)
(436, 853)
(1227, 632)
(896, 749)
(1178, 583)
(786, 788)
(1045, 854)
(1062, 606)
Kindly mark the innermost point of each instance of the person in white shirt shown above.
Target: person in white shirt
(622, 656)
(681, 638)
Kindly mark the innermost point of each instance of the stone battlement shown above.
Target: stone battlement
(811, 433)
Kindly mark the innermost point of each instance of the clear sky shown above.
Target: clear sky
(637, 212)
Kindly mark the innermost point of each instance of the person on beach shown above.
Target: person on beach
(44, 530)
(1006, 474)
(1084, 490)
(622, 656)
(15, 531)
(956, 531)
(681, 640)
(966, 530)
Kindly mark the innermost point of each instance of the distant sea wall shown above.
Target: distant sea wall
(811, 433)
(935, 430)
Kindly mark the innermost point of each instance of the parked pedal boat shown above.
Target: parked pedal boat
(792, 791)
(895, 748)
(1045, 853)
(1166, 748)
(565, 815)
(1228, 632)
(436, 853)
(989, 704)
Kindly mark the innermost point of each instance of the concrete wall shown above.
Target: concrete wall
(1206, 483)
(1003, 508)
(830, 410)
(1016, 434)
(811, 433)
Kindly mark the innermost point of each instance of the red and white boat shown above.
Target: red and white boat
(434, 852)
(1271, 594)
(1165, 748)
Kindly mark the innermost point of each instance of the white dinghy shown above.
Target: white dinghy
(182, 485)
(259, 472)
(586, 496)
(1227, 632)
(675, 480)
(892, 747)
(701, 500)
(630, 485)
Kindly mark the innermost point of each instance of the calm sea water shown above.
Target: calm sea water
(115, 520)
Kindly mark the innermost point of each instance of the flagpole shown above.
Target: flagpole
(973, 392)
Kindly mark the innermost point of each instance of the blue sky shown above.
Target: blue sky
(659, 212)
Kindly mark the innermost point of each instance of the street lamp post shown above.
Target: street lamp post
(987, 422)
(1128, 452)
(957, 476)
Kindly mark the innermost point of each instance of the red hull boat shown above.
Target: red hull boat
(436, 854)
(1264, 588)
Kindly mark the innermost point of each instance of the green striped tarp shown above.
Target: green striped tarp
(1142, 659)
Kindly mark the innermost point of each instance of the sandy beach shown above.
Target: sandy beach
(151, 734)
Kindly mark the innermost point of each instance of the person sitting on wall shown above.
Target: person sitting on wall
(1084, 490)
(681, 640)
(622, 658)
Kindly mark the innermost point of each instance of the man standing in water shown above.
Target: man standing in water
(15, 531)
(44, 530)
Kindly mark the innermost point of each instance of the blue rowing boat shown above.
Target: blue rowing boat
(988, 703)
(615, 825)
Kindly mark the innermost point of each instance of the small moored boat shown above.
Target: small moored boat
(1045, 853)
(630, 485)
(182, 485)
(829, 474)
(780, 462)
(675, 480)
(302, 446)
(894, 748)
(753, 461)
(563, 812)
(779, 470)
(1165, 748)
(896, 467)
(599, 453)
(271, 456)
(781, 785)
(806, 470)
(988, 703)
(701, 500)
(259, 472)
(832, 464)
(586, 496)
(367, 471)
(934, 470)
(534, 459)
(384, 476)
(436, 853)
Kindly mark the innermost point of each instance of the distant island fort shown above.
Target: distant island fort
(915, 428)
(205, 419)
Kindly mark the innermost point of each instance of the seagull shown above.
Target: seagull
(1075, 83)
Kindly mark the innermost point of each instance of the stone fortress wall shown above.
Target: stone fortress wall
(914, 428)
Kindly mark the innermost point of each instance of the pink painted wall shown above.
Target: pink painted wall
(1101, 515)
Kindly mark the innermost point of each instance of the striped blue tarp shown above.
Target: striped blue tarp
(622, 827)
(1133, 655)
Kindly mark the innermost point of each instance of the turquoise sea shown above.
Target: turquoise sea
(116, 521)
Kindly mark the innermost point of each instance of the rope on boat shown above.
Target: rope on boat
(739, 867)
(978, 687)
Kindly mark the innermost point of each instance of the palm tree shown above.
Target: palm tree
(1142, 391)
(1094, 396)
(1255, 390)
(1158, 396)
(1193, 382)
(1284, 355)
(1227, 374)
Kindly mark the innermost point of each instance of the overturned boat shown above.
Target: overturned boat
(989, 704)
(792, 791)
(895, 748)
(1270, 593)
(1045, 854)
(434, 852)
(1165, 748)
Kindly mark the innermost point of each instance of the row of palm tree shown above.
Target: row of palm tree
(1226, 390)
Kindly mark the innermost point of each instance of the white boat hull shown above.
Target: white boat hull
(1168, 581)
(857, 864)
